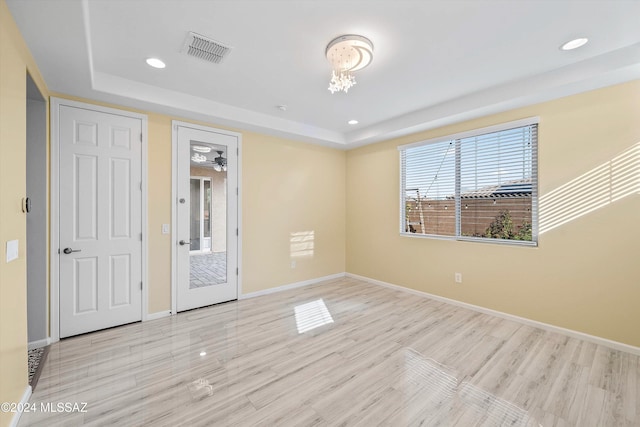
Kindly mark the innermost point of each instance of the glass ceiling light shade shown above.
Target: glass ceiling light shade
(198, 158)
(347, 54)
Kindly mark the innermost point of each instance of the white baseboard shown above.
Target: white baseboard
(291, 286)
(545, 326)
(39, 343)
(25, 399)
(158, 315)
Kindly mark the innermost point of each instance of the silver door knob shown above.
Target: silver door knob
(69, 250)
(182, 243)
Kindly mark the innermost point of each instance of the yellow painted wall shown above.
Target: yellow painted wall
(293, 209)
(287, 187)
(15, 61)
(159, 199)
(584, 275)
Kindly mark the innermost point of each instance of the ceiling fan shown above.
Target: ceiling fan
(220, 163)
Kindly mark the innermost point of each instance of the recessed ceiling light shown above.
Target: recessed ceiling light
(281, 107)
(156, 63)
(574, 44)
(353, 122)
(203, 353)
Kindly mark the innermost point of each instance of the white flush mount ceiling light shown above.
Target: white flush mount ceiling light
(574, 44)
(353, 122)
(156, 63)
(201, 148)
(346, 54)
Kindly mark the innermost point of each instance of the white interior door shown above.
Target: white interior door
(206, 208)
(100, 231)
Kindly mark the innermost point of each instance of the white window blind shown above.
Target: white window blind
(478, 185)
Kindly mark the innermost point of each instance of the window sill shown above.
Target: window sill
(473, 239)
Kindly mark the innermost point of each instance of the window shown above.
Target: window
(479, 185)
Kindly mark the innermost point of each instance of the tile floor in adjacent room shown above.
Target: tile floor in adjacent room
(207, 269)
(343, 352)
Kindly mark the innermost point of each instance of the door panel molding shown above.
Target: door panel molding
(54, 259)
(237, 248)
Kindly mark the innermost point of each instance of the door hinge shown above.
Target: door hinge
(140, 137)
(237, 271)
(237, 151)
(140, 285)
(141, 237)
(237, 191)
(237, 232)
(140, 185)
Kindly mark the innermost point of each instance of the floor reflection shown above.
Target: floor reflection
(444, 399)
(312, 315)
(495, 410)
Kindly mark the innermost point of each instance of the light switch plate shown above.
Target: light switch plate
(12, 250)
(165, 228)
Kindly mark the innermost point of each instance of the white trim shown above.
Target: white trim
(475, 132)
(205, 128)
(23, 402)
(239, 213)
(174, 214)
(144, 177)
(39, 343)
(158, 315)
(174, 200)
(615, 345)
(54, 279)
(54, 221)
(524, 243)
(291, 286)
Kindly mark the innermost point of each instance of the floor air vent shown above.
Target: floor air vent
(205, 48)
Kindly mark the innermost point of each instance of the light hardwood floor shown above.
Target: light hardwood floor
(343, 352)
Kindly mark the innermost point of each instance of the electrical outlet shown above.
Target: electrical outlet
(165, 228)
(458, 277)
(293, 264)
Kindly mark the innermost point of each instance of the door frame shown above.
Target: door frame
(38, 113)
(54, 291)
(174, 203)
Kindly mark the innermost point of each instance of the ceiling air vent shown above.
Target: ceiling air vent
(205, 48)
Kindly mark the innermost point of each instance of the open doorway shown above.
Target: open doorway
(36, 198)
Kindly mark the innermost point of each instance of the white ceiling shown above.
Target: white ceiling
(435, 62)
